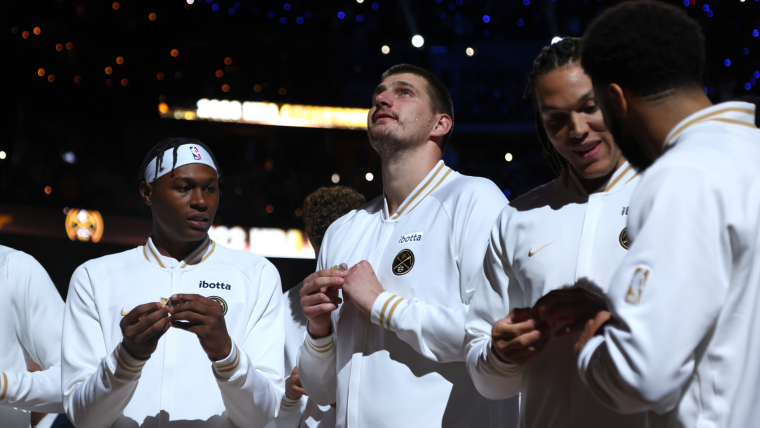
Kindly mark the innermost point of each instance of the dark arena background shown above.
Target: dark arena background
(279, 90)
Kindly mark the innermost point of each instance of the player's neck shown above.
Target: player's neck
(401, 174)
(657, 118)
(169, 247)
(592, 185)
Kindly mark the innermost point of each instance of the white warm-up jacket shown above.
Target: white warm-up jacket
(31, 311)
(178, 386)
(686, 345)
(403, 366)
(550, 238)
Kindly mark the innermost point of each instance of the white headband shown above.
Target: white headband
(186, 154)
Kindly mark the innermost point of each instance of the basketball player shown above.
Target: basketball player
(320, 210)
(682, 340)
(31, 311)
(393, 354)
(568, 230)
(206, 348)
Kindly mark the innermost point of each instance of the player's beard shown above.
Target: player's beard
(629, 145)
(393, 142)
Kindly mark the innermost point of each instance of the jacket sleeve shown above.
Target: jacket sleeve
(317, 357)
(98, 383)
(497, 291)
(436, 331)
(38, 312)
(251, 377)
(667, 294)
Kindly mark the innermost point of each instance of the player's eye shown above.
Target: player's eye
(406, 93)
(554, 120)
(211, 189)
(592, 109)
(183, 189)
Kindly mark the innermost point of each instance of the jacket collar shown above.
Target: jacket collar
(734, 113)
(622, 176)
(435, 178)
(198, 256)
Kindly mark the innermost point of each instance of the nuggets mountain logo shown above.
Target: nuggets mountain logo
(221, 301)
(196, 153)
(624, 238)
(403, 262)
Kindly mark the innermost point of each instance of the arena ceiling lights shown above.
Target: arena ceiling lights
(265, 113)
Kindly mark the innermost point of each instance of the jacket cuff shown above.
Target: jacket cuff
(587, 354)
(384, 307)
(124, 364)
(230, 366)
(319, 348)
(288, 405)
(500, 367)
(7, 382)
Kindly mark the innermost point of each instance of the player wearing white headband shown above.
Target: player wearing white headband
(179, 331)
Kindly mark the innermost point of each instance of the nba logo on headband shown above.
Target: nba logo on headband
(195, 152)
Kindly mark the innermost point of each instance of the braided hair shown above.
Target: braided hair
(158, 150)
(552, 57)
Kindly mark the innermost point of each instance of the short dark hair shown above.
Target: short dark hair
(327, 204)
(167, 144)
(563, 53)
(648, 48)
(440, 98)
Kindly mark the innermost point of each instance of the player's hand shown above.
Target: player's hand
(519, 337)
(591, 328)
(142, 327)
(205, 319)
(573, 307)
(319, 297)
(293, 388)
(362, 287)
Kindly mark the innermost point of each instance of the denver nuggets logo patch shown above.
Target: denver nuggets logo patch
(221, 301)
(403, 263)
(624, 238)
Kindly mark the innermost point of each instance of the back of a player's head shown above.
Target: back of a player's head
(565, 53)
(647, 48)
(327, 204)
(440, 98)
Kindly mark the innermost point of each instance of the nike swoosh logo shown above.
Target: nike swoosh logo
(124, 313)
(533, 252)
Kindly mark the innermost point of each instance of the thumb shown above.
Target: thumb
(519, 315)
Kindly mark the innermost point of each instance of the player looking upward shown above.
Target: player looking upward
(392, 355)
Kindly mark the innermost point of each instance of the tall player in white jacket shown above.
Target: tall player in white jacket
(683, 342)
(571, 229)
(31, 311)
(392, 355)
(208, 351)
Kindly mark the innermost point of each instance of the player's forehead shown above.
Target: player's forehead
(563, 88)
(408, 80)
(196, 172)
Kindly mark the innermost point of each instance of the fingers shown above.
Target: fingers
(320, 279)
(299, 389)
(193, 318)
(179, 299)
(503, 329)
(518, 315)
(317, 299)
(573, 327)
(567, 312)
(135, 314)
(312, 312)
(157, 328)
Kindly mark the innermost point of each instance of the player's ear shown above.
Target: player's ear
(442, 126)
(618, 100)
(146, 193)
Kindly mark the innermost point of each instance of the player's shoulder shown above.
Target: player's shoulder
(105, 265)
(541, 195)
(356, 218)
(12, 258)
(243, 261)
(468, 190)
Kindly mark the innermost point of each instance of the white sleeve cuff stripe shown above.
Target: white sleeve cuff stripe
(496, 363)
(385, 306)
(5, 386)
(321, 349)
(231, 366)
(287, 402)
(393, 309)
(127, 363)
